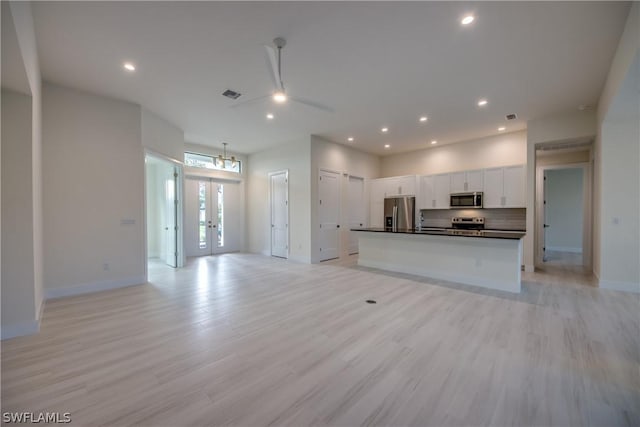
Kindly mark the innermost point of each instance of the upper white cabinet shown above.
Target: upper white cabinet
(504, 187)
(376, 205)
(400, 186)
(514, 187)
(466, 181)
(434, 191)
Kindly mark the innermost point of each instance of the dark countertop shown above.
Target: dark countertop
(487, 234)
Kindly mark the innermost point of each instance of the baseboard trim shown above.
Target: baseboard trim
(528, 268)
(88, 288)
(41, 310)
(20, 329)
(616, 285)
(564, 249)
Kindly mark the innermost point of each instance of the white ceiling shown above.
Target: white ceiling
(377, 64)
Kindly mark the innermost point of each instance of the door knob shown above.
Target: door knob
(546, 226)
(338, 226)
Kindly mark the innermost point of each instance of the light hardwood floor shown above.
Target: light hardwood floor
(250, 340)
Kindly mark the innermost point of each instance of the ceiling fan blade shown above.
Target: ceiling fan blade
(272, 63)
(312, 104)
(249, 101)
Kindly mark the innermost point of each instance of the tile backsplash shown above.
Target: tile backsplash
(498, 219)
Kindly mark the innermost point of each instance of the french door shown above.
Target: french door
(213, 209)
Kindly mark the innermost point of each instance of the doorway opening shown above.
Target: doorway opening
(213, 216)
(563, 206)
(163, 207)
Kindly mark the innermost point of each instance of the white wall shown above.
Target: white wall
(162, 137)
(154, 210)
(18, 291)
(617, 170)
(494, 151)
(294, 156)
(93, 180)
(564, 208)
(24, 65)
(348, 161)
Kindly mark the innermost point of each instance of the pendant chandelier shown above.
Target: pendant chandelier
(222, 158)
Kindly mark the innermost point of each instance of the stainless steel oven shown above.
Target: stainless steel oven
(466, 200)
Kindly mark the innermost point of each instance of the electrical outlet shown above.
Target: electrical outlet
(615, 220)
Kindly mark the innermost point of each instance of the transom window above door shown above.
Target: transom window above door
(210, 162)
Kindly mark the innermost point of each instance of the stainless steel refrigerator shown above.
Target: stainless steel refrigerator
(399, 213)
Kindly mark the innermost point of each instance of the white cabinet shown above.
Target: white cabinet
(504, 187)
(426, 198)
(434, 191)
(475, 180)
(376, 202)
(400, 186)
(466, 181)
(514, 187)
(493, 188)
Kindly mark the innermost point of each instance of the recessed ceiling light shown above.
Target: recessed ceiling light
(129, 66)
(467, 20)
(434, 142)
(501, 128)
(387, 146)
(423, 118)
(269, 116)
(279, 97)
(350, 139)
(482, 102)
(385, 129)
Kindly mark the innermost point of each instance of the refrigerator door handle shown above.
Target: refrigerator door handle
(395, 217)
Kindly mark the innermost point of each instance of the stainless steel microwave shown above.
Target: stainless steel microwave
(466, 200)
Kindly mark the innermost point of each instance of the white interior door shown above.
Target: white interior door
(329, 214)
(545, 225)
(171, 217)
(357, 213)
(279, 192)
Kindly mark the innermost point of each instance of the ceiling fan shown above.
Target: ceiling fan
(279, 95)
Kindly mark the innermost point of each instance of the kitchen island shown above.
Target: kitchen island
(487, 258)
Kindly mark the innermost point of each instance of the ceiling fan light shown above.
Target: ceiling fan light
(279, 97)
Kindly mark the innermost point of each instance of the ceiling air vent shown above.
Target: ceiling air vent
(231, 94)
(511, 116)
